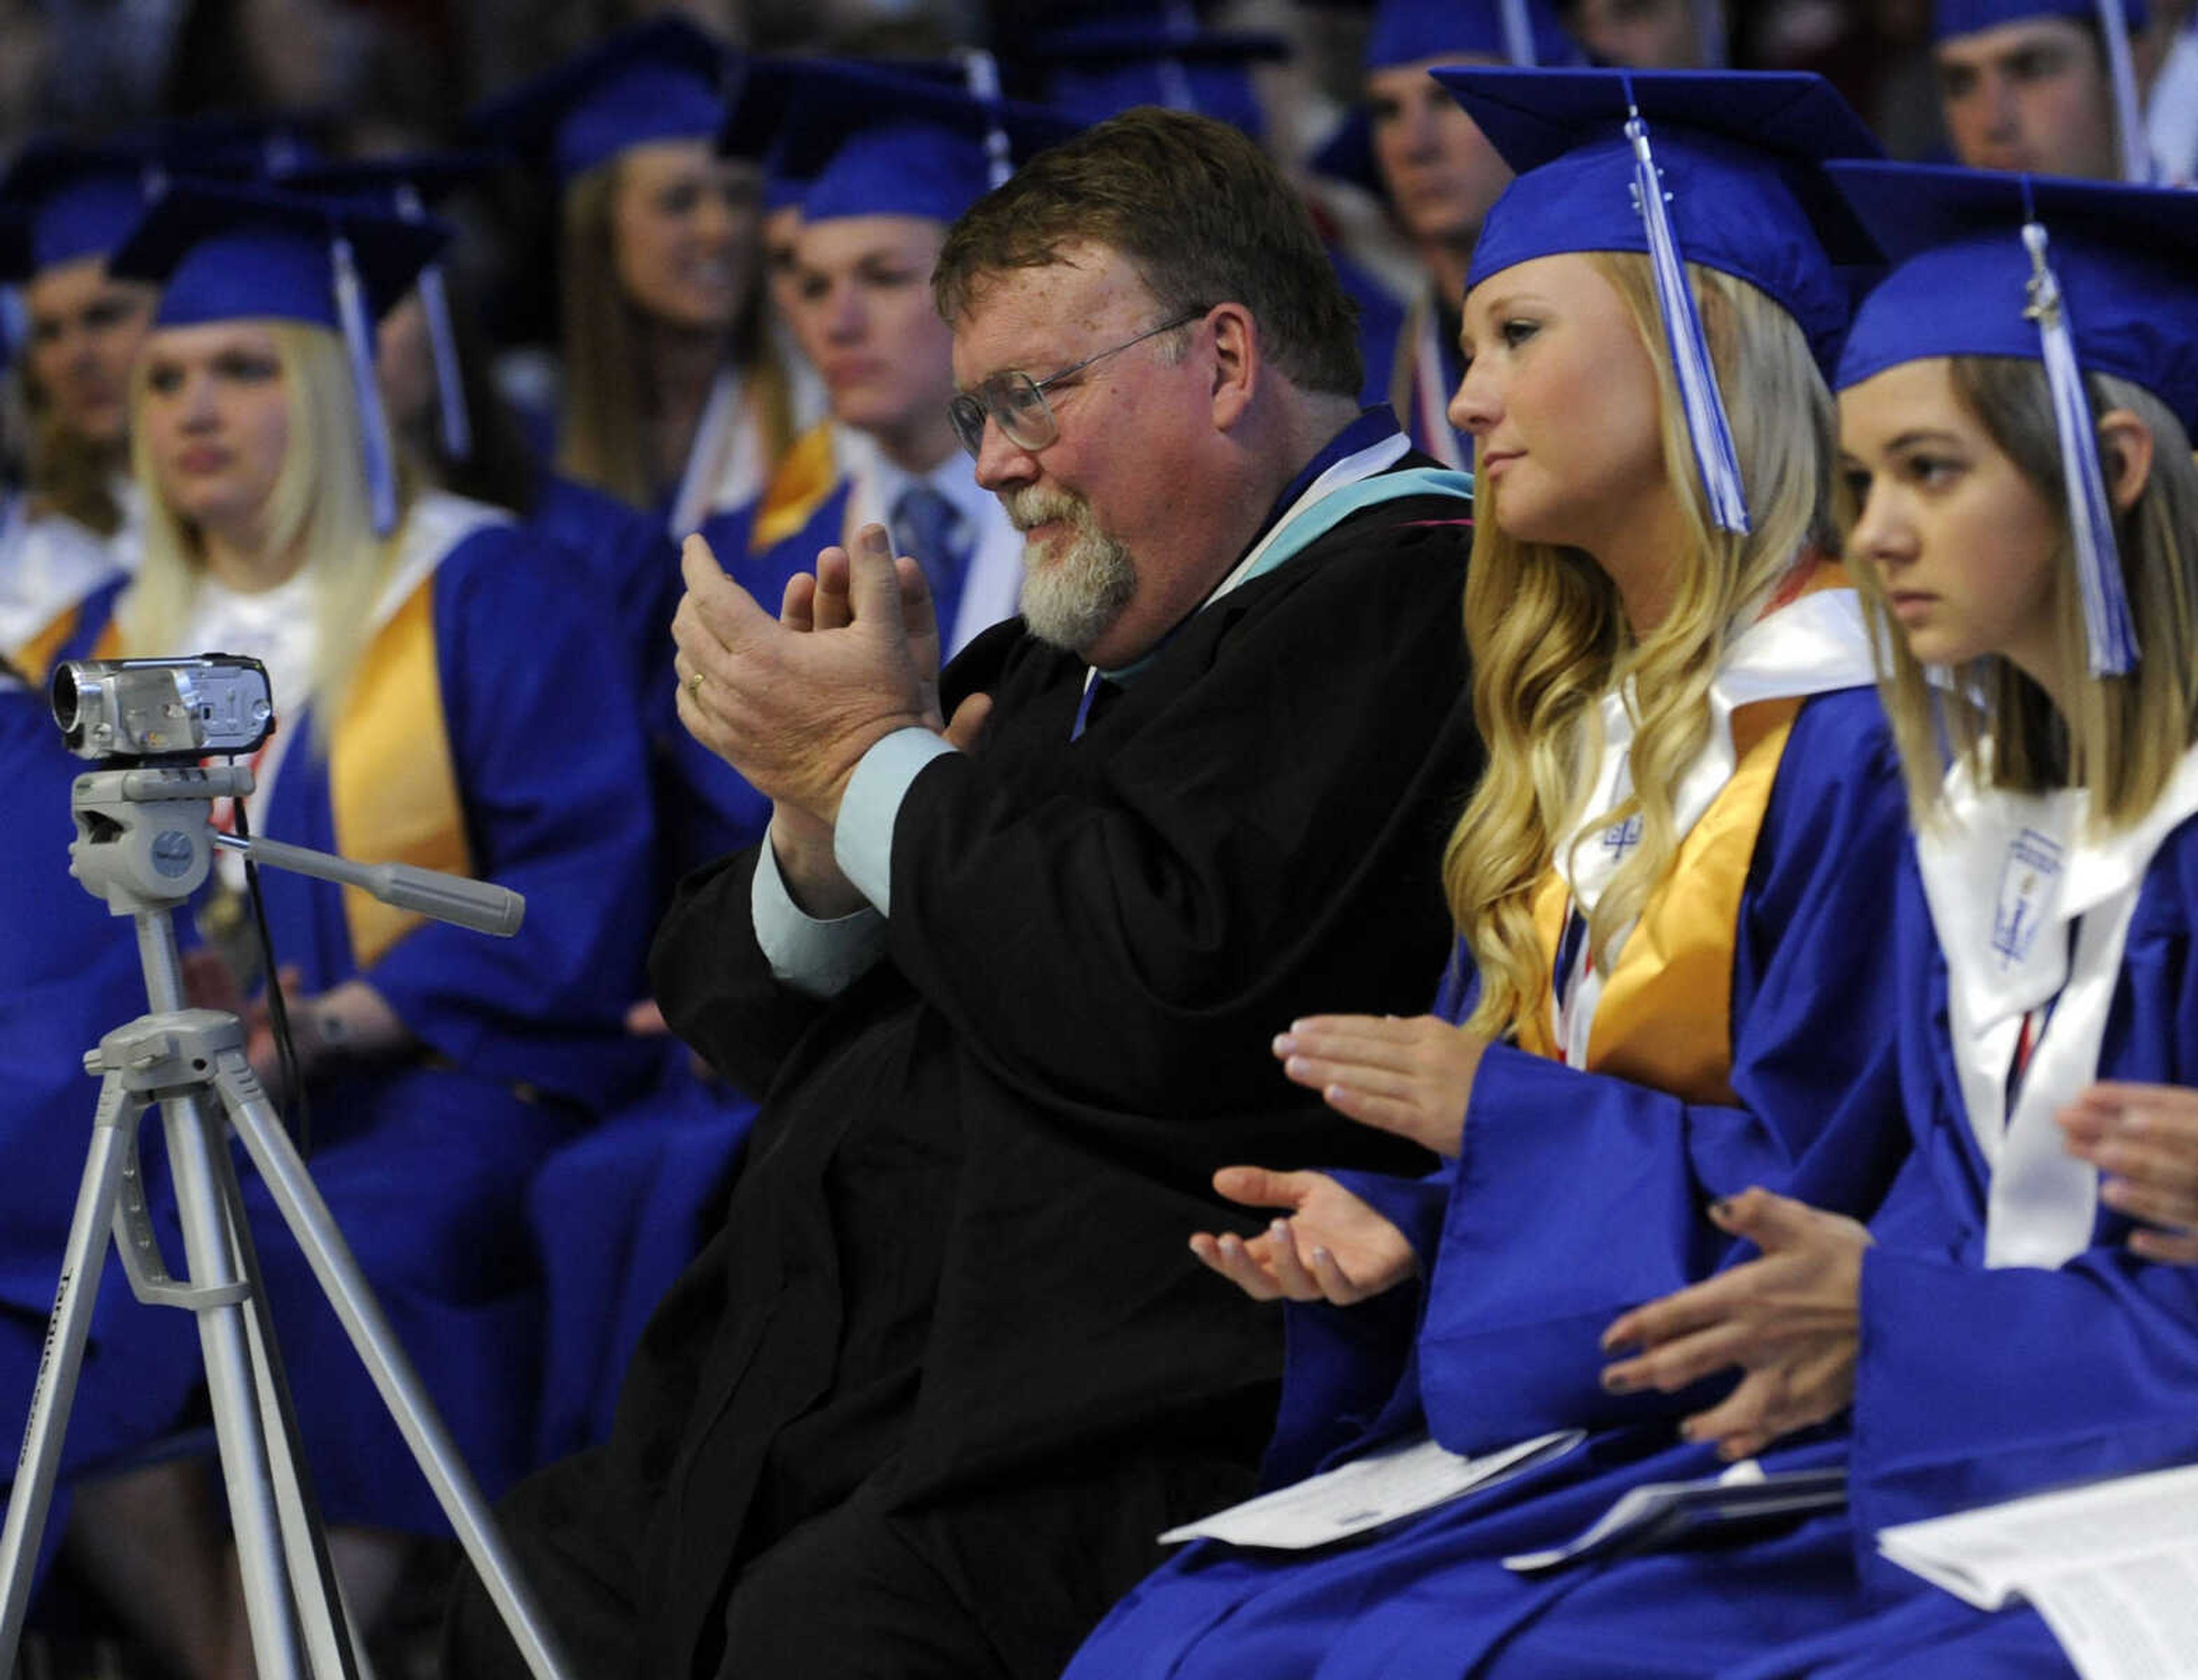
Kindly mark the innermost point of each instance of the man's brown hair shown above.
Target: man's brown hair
(1201, 213)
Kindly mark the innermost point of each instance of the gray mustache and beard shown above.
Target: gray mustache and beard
(1068, 601)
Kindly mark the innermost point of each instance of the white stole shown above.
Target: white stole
(2009, 875)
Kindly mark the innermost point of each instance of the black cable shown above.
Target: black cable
(297, 1106)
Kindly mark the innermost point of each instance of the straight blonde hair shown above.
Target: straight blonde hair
(1548, 639)
(602, 434)
(2121, 736)
(318, 507)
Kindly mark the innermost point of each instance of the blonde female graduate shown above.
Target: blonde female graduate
(440, 702)
(1672, 973)
(2016, 406)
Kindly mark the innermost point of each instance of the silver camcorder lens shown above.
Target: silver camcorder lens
(181, 708)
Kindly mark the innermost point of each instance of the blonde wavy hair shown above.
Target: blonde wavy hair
(2121, 736)
(318, 507)
(602, 438)
(1548, 639)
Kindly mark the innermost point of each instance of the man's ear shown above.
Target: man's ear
(2125, 457)
(1236, 363)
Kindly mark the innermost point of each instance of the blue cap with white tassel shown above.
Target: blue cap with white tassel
(1721, 168)
(258, 253)
(2081, 277)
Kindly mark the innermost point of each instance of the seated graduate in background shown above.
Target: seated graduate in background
(2041, 87)
(1996, 1329)
(1671, 978)
(78, 521)
(1416, 146)
(893, 1419)
(454, 431)
(431, 670)
(671, 399)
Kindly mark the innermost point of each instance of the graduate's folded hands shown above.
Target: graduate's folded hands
(2143, 1139)
(793, 711)
(1411, 1077)
(1331, 1246)
(1789, 1319)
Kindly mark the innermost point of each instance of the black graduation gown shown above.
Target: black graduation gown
(954, 1272)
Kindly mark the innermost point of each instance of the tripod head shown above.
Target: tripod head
(145, 834)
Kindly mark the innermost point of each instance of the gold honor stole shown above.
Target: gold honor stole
(1664, 1018)
(807, 475)
(392, 785)
(35, 658)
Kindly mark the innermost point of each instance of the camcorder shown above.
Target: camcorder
(163, 712)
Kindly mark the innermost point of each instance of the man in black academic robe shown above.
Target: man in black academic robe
(948, 1366)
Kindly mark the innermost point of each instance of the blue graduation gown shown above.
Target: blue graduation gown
(633, 565)
(1578, 1196)
(425, 1161)
(1976, 1386)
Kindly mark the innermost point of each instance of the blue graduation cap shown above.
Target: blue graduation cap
(767, 88)
(1521, 33)
(659, 80)
(2080, 275)
(870, 142)
(1715, 167)
(238, 145)
(408, 185)
(224, 252)
(1099, 68)
(2116, 21)
(76, 200)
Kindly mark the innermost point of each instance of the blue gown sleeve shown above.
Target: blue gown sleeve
(1976, 1385)
(552, 770)
(1578, 1195)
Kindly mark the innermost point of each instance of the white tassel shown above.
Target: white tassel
(1519, 35)
(442, 342)
(358, 340)
(1707, 424)
(980, 75)
(2112, 639)
(2121, 72)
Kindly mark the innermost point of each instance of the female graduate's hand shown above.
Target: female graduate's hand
(1790, 1320)
(2143, 1139)
(1413, 1077)
(1331, 1246)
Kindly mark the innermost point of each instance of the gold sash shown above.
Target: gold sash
(393, 786)
(805, 477)
(1664, 1018)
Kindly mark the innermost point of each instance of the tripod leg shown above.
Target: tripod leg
(232, 1387)
(55, 1391)
(364, 1322)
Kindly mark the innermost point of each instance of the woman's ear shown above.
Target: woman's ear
(2126, 456)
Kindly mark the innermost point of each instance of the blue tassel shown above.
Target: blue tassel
(359, 341)
(980, 75)
(1707, 424)
(2121, 73)
(2110, 638)
(456, 424)
(1519, 35)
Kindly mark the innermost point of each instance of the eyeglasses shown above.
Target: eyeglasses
(1016, 401)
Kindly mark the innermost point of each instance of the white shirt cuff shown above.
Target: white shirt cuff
(819, 959)
(862, 839)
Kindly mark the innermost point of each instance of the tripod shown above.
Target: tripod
(145, 843)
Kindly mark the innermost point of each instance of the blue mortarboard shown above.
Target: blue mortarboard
(1521, 33)
(2115, 19)
(1099, 68)
(1715, 167)
(222, 252)
(659, 80)
(77, 201)
(872, 142)
(768, 88)
(236, 145)
(408, 185)
(2080, 275)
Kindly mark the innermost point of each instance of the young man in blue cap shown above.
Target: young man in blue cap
(947, 1368)
(2044, 86)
